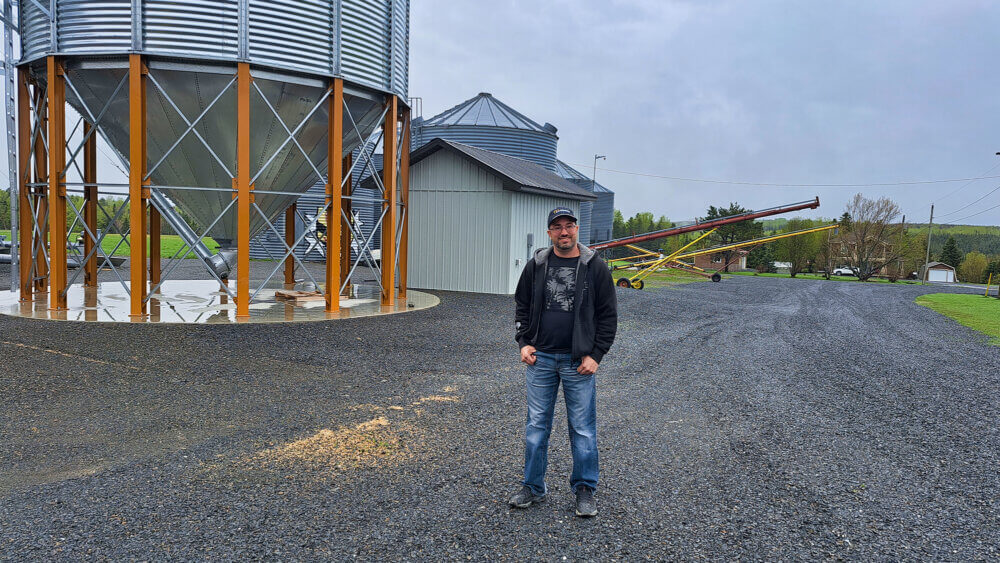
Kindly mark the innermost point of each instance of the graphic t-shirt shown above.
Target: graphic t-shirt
(555, 333)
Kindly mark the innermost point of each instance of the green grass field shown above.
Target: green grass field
(169, 244)
(663, 278)
(974, 311)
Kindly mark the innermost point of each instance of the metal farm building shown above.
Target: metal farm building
(478, 216)
(487, 123)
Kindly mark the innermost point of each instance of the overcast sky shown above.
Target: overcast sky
(796, 92)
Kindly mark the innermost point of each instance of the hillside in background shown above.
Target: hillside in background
(967, 237)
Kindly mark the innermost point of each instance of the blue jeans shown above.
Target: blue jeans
(581, 412)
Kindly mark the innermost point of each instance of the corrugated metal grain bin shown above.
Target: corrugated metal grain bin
(191, 49)
(600, 213)
(488, 123)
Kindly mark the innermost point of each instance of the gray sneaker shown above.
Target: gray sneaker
(525, 497)
(585, 504)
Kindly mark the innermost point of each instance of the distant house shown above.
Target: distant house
(717, 261)
(844, 251)
(939, 272)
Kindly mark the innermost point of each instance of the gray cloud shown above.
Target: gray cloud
(808, 92)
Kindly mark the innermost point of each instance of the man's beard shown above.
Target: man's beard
(565, 244)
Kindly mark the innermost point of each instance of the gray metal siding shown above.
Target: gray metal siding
(400, 46)
(452, 173)
(454, 245)
(460, 220)
(295, 34)
(535, 146)
(603, 216)
(191, 28)
(78, 19)
(586, 217)
(366, 28)
(367, 42)
(468, 233)
(34, 24)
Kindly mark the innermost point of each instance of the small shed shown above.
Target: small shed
(476, 216)
(939, 272)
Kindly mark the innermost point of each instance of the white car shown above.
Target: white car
(843, 272)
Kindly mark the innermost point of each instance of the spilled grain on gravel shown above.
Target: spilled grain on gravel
(377, 442)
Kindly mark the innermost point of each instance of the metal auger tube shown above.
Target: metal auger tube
(221, 263)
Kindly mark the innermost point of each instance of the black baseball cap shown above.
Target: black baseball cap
(561, 212)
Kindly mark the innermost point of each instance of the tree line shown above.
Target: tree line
(871, 239)
(108, 209)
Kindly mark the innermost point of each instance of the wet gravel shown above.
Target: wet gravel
(754, 418)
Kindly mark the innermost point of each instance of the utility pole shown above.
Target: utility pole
(927, 257)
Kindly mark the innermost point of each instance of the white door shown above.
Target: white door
(940, 275)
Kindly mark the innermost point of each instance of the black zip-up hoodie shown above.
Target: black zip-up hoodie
(595, 304)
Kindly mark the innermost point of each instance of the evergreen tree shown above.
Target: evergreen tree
(734, 232)
(761, 258)
(950, 254)
(845, 220)
(618, 225)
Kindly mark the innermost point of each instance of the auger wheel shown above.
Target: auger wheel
(629, 284)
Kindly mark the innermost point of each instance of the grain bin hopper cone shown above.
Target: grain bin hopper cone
(205, 157)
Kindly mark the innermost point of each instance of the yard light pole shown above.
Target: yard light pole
(593, 177)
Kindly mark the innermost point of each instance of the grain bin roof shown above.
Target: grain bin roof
(486, 111)
(518, 175)
(574, 175)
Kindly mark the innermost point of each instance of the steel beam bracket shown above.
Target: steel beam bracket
(236, 192)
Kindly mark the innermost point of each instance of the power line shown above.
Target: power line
(956, 190)
(955, 221)
(776, 185)
(971, 204)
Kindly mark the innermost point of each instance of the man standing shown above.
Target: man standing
(566, 318)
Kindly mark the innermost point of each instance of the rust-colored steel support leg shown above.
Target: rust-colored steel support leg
(345, 227)
(243, 191)
(404, 180)
(57, 192)
(41, 202)
(90, 205)
(389, 222)
(334, 176)
(26, 230)
(138, 192)
(290, 240)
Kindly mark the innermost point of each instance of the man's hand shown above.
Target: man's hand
(587, 366)
(528, 355)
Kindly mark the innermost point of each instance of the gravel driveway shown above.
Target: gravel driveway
(755, 418)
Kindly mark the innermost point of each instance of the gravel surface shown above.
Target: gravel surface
(756, 418)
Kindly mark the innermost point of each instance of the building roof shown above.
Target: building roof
(518, 175)
(939, 265)
(574, 175)
(486, 111)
